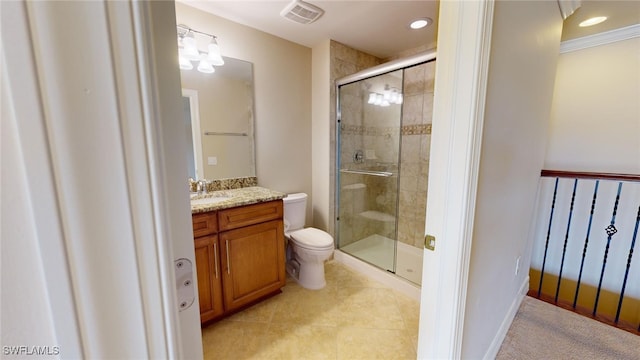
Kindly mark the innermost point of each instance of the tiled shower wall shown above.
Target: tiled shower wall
(414, 157)
(344, 61)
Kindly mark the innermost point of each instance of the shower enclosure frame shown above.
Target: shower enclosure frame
(400, 64)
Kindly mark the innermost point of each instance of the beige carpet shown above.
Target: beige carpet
(543, 331)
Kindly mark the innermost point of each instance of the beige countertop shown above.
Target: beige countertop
(224, 199)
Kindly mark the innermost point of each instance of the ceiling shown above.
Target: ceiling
(619, 14)
(380, 28)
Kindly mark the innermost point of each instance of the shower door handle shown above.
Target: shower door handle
(367, 172)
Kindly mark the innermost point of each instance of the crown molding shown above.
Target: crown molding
(603, 38)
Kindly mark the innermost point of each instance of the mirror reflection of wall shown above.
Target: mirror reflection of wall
(225, 140)
(186, 110)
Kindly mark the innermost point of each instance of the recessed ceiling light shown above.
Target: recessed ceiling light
(593, 21)
(420, 23)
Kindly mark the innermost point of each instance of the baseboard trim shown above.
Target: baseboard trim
(506, 323)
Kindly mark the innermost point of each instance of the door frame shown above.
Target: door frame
(464, 38)
(105, 173)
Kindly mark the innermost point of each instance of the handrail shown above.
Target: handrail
(367, 172)
(589, 175)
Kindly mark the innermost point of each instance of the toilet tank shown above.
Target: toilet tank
(295, 211)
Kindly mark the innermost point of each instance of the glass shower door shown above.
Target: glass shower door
(368, 156)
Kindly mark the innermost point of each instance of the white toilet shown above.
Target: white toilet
(307, 248)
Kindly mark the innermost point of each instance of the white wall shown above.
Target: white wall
(321, 130)
(228, 107)
(595, 118)
(282, 74)
(26, 313)
(524, 49)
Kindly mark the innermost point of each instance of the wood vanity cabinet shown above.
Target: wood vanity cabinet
(205, 230)
(242, 260)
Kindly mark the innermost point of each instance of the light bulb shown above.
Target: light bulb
(190, 49)
(385, 103)
(420, 23)
(387, 93)
(593, 21)
(394, 96)
(205, 67)
(372, 98)
(379, 99)
(399, 99)
(185, 64)
(215, 58)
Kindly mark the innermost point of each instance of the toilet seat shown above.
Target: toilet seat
(312, 239)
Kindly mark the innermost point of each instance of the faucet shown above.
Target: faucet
(201, 187)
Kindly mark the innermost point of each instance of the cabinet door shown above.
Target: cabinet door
(252, 262)
(209, 277)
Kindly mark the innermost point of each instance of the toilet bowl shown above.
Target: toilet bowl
(307, 248)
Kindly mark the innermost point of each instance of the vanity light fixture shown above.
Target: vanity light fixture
(188, 51)
(593, 21)
(389, 96)
(185, 64)
(420, 23)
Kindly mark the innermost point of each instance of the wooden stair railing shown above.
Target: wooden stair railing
(588, 198)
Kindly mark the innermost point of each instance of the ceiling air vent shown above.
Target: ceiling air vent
(301, 12)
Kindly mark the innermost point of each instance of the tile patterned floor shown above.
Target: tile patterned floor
(351, 318)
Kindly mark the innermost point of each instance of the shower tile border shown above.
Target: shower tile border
(422, 129)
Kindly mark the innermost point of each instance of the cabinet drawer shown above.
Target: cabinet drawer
(205, 224)
(249, 215)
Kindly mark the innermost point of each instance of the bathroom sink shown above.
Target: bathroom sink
(210, 200)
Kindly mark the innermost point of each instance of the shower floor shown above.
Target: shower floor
(378, 250)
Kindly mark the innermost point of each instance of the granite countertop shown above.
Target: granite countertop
(234, 197)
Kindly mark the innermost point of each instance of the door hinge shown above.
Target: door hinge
(430, 242)
(184, 283)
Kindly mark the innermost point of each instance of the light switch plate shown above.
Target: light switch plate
(212, 160)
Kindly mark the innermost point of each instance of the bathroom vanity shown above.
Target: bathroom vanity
(239, 247)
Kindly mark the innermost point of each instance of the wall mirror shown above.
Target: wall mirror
(219, 121)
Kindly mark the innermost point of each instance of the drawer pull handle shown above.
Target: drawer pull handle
(215, 257)
(228, 263)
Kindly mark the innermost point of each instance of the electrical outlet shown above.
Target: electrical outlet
(517, 265)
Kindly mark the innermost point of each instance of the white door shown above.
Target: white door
(464, 35)
(93, 93)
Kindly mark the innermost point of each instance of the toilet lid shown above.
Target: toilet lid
(312, 238)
